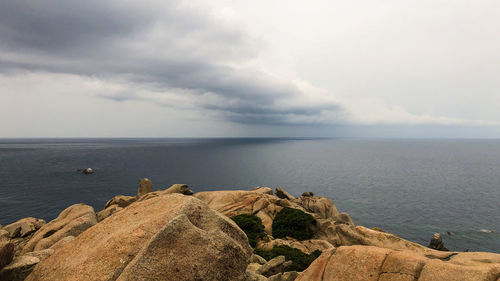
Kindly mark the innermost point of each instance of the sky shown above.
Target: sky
(234, 68)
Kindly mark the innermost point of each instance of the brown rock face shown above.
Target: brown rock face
(108, 212)
(19, 268)
(170, 237)
(24, 227)
(353, 263)
(321, 206)
(70, 222)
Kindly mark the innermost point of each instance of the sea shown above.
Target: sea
(412, 188)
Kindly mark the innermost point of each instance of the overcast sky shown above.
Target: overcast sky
(97, 68)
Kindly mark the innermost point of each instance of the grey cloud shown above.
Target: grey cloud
(162, 46)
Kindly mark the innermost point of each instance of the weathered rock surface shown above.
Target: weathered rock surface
(321, 206)
(121, 201)
(19, 268)
(24, 227)
(145, 186)
(353, 263)
(70, 222)
(176, 188)
(283, 194)
(257, 259)
(170, 237)
(6, 252)
(252, 276)
(61, 242)
(286, 276)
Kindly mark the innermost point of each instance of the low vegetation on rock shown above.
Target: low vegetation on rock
(252, 226)
(293, 223)
(300, 260)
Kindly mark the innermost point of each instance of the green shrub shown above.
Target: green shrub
(252, 226)
(293, 223)
(300, 260)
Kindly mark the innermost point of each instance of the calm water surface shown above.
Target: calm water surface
(412, 188)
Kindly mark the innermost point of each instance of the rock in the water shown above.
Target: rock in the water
(283, 194)
(308, 194)
(145, 186)
(24, 227)
(360, 263)
(108, 212)
(70, 222)
(121, 201)
(273, 266)
(19, 268)
(6, 252)
(436, 243)
(170, 237)
(87, 171)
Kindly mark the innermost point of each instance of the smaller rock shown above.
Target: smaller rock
(436, 243)
(257, 259)
(145, 186)
(283, 194)
(19, 268)
(272, 267)
(308, 194)
(120, 200)
(179, 188)
(6, 252)
(253, 267)
(289, 276)
(107, 212)
(263, 189)
(43, 254)
(62, 242)
(252, 276)
(276, 277)
(87, 171)
(343, 218)
(24, 227)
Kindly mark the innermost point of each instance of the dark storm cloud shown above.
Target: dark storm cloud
(162, 46)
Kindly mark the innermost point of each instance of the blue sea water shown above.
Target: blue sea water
(412, 188)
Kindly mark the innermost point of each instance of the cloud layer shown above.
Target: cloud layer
(174, 54)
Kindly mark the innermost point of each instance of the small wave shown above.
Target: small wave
(485, 231)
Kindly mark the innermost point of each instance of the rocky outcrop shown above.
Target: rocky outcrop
(352, 263)
(283, 194)
(145, 186)
(176, 188)
(61, 242)
(70, 222)
(436, 243)
(170, 237)
(274, 266)
(262, 189)
(24, 227)
(321, 206)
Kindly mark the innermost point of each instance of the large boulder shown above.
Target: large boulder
(353, 263)
(70, 222)
(145, 186)
(24, 227)
(321, 206)
(176, 188)
(170, 237)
